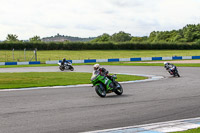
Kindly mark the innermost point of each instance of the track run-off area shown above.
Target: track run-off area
(80, 109)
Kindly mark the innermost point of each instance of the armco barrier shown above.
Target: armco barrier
(106, 60)
(10, 63)
(113, 60)
(19, 63)
(135, 59)
(128, 59)
(187, 57)
(195, 57)
(34, 62)
(2, 63)
(22, 63)
(177, 58)
(156, 58)
(90, 61)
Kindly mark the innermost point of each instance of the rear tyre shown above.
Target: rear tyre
(100, 91)
(119, 89)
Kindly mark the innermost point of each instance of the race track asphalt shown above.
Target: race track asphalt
(79, 109)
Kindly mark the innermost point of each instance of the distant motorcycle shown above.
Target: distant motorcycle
(66, 66)
(104, 85)
(174, 72)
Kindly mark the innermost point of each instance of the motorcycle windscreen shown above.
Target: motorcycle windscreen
(94, 75)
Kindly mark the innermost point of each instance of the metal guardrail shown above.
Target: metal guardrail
(107, 60)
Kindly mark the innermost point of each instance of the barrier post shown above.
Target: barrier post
(35, 54)
(25, 54)
(13, 54)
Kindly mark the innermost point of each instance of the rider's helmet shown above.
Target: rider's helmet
(96, 66)
(64, 59)
(165, 63)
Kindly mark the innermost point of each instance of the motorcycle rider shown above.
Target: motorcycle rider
(99, 70)
(102, 71)
(64, 61)
(170, 67)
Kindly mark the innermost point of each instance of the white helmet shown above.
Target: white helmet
(96, 66)
(165, 63)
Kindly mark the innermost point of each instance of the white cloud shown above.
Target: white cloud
(85, 18)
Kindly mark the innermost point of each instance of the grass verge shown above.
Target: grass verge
(38, 79)
(44, 55)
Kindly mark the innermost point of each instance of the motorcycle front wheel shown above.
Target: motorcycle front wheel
(119, 89)
(178, 74)
(72, 68)
(100, 91)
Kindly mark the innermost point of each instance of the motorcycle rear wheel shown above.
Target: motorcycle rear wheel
(61, 68)
(100, 91)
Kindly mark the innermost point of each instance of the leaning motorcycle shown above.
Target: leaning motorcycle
(104, 85)
(174, 72)
(66, 66)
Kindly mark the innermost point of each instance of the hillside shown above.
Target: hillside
(62, 38)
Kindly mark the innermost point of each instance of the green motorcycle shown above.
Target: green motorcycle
(104, 85)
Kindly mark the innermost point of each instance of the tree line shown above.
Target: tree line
(189, 33)
(97, 46)
(186, 38)
(14, 38)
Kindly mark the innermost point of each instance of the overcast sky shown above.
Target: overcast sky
(90, 18)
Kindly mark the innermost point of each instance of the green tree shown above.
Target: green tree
(152, 36)
(177, 38)
(139, 39)
(121, 37)
(191, 32)
(35, 39)
(12, 38)
(102, 38)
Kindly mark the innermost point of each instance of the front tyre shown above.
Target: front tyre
(178, 74)
(119, 89)
(72, 68)
(100, 91)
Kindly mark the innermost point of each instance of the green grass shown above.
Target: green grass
(38, 79)
(197, 130)
(7, 56)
